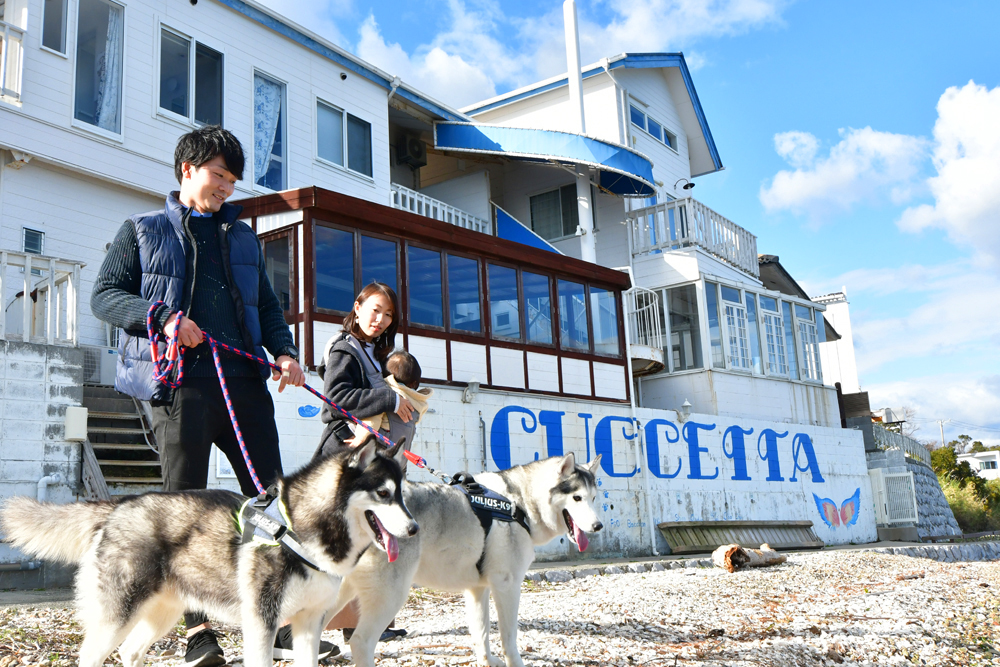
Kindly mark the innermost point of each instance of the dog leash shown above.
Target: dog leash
(164, 367)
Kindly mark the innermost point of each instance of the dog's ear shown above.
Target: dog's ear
(394, 452)
(593, 465)
(568, 465)
(363, 455)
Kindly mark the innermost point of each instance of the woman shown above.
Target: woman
(353, 378)
(352, 370)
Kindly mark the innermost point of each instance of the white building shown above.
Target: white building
(473, 215)
(985, 464)
(837, 357)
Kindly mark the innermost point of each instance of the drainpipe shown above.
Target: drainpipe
(640, 445)
(482, 435)
(20, 567)
(43, 485)
(392, 88)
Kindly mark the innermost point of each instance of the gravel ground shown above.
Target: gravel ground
(831, 608)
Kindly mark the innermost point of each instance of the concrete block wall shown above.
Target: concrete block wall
(934, 515)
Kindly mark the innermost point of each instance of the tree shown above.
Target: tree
(962, 445)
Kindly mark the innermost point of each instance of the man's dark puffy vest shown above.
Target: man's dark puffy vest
(162, 253)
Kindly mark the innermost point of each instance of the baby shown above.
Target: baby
(404, 379)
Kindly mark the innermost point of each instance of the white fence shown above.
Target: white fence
(642, 307)
(685, 222)
(11, 56)
(50, 287)
(895, 497)
(410, 200)
(886, 439)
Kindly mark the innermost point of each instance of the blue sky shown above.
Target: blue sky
(861, 142)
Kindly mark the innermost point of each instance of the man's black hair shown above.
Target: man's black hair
(204, 144)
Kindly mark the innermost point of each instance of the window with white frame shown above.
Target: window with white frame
(774, 340)
(555, 213)
(642, 120)
(54, 25)
(190, 79)
(338, 133)
(269, 146)
(33, 241)
(809, 340)
(100, 55)
(738, 349)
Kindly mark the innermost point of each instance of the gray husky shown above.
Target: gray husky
(453, 552)
(144, 560)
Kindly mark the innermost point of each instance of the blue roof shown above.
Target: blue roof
(627, 61)
(331, 52)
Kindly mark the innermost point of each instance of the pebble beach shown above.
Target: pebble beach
(826, 608)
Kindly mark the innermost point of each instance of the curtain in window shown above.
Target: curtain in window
(266, 109)
(109, 72)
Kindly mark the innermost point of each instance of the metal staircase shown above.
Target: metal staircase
(122, 441)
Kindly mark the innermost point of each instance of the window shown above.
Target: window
(555, 214)
(774, 340)
(503, 302)
(810, 343)
(463, 294)
(426, 300)
(276, 264)
(334, 269)
(178, 87)
(987, 465)
(378, 262)
(604, 313)
(738, 352)
(268, 133)
(359, 145)
(33, 241)
(54, 25)
(329, 133)
(751, 301)
(685, 329)
(714, 330)
(793, 367)
(537, 308)
(660, 133)
(99, 63)
(573, 316)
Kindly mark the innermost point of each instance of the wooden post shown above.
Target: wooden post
(28, 308)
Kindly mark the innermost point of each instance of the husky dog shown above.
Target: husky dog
(144, 560)
(454, 553)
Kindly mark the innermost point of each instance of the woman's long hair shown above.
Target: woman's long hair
(386, 341)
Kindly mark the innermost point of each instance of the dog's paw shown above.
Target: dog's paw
(491, 661)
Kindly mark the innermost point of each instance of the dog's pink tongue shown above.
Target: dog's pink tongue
(580, 537)
(391, 545)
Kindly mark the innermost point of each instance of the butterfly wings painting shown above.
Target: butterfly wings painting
(847, 515)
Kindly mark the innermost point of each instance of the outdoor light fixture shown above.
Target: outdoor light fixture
(686, 186)
(685, 412)
(470, 391)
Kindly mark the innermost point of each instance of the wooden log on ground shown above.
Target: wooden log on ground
(733, 557)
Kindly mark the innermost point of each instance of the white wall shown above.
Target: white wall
(452, 438)
(837, 357)
(469, 193)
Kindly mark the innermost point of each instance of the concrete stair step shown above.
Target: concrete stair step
(123, 446)
(115, 430)
(134, 480)
(128, 463)
(122, 405)
(103, 414)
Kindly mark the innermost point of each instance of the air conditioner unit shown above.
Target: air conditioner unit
(410, 150)
(99, 364)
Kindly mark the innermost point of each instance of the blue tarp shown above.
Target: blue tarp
(622, 171)
(510, 228)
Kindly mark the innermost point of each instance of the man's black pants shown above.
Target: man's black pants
(186, 427)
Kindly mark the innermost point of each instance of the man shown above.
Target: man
(196, 257)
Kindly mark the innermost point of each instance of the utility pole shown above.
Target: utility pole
(941, 423)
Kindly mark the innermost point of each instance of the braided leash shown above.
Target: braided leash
(164, 367)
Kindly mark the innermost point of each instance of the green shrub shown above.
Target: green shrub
(973, 514)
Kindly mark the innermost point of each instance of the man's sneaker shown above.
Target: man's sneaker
(203, 650)
(283, 645)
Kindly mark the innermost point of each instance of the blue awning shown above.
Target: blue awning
(512, 229)
(622, 171)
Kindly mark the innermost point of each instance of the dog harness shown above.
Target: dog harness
(269, 524)
(488, 506)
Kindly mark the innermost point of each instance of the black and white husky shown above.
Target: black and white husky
(454, 553)
(144, 560)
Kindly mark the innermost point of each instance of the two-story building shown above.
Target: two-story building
(698, 382)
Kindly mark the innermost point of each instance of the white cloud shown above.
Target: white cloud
(966, 189)
(864, 166)
(961, 398)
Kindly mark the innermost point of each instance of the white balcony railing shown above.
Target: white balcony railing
(50, 287)
(686, 222)
(11, 55)
(642, 308)
(410, 200)
(886, 439)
